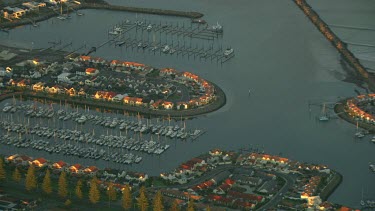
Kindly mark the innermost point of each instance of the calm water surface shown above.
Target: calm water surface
(280, 56)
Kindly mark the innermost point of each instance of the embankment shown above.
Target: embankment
(334, 40)
(331, 186)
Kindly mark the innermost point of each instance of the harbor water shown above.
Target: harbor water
(279, 55)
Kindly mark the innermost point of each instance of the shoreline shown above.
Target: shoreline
(50, 14)
(339, 109)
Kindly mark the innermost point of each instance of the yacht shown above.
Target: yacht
(228, 52)
(172, 51)
(154, 48)
(117, 29)
(7, 108)
(113, 32)
(82, 119)
(149, 27)
(216, 28)
(372, 167)
(61, 17)
(166, 49)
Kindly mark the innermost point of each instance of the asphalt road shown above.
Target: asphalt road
(289, 182)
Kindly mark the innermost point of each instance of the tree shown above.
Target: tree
(126, 201)
(190, 205)
(16, 175)
(30, 181)
(62, 185)
(2, 171)
(142, 200)
(111, 193)
(175, 206)
(158, 202)
(208, 208)
(78, 190)
(94, 194)
(46, 186)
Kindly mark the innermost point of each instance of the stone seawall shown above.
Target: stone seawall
(332, 38)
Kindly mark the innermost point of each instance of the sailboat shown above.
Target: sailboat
(359, 134)
(61, 17)
(324, 117)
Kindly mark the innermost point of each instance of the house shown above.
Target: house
(53, 90)
(13, 12)
(23, 160)
(167, 176)
(243, 179)
(76, 169)
(36, 75)
(220, 177)
(40, 162)
(182, 105)
(92, 71)
(38, 87)
(268, 187)
(71, 92)
(60, 165)
(141, 177)
(118, 98)
(91, 170)
(167, 105)
(34, 5)
(64, 78)
(215, 152)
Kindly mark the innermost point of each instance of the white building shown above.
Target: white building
(63, 78)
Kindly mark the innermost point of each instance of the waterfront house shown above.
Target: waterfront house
(85, 58)
(215, 152)
(23, 160)
(40, 162)
(76, 169)
(168, 176)
(167, 105)
(167, 71)
(91, 170)
(13, 12)
(71, 92)
(60, 166)
(136, 176)
(38, 87)
(182, 105)
(34, 5)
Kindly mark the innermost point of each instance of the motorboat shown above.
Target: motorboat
(228, 52)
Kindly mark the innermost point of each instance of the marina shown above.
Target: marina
(88, 134)
(175, 35)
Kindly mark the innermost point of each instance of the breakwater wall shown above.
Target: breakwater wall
(142, 10)
(332, 38)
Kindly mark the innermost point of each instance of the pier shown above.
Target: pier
(131, 34)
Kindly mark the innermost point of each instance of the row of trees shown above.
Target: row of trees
(94, 194)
